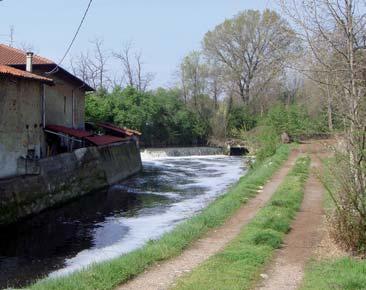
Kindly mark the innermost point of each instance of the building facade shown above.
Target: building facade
(65, 100)
(29, 103)
(21, 121)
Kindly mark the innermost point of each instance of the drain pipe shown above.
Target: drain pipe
(44, 106)
(73, 103)
(73, 109)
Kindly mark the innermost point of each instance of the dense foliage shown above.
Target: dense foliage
(161, 116)
(166, 119)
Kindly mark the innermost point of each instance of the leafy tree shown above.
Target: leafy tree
(252, 48)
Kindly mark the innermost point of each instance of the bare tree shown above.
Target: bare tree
(194, 76)
(215, 81)
(27, 47)
(334, 34)
(91, 67)
(132, 68)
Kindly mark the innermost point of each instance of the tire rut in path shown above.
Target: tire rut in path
(163, 275)
(286, 271)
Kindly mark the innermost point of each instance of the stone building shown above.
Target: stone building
(21, 123)
(65, 101)
(29, 104)
(42, 114)
(46, 155)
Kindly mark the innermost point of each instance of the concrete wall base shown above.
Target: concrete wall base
(67, 176)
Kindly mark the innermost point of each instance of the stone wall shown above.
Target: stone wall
(65, 177)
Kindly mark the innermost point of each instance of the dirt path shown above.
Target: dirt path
(287, 269)
(163, 276)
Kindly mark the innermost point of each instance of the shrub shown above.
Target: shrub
(348, 216)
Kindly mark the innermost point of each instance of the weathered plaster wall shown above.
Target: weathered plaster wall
(20, 122)
(67, 176)
(59, 108)
(59, 103)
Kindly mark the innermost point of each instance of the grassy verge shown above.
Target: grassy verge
(109, 274)
(239, 265)
(344, 273)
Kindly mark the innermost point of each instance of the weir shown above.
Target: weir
(155, 153)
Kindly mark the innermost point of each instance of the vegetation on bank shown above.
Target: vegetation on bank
(239, 265)
(341, 273)
(347, 273)
(165, 119)
(109, 274)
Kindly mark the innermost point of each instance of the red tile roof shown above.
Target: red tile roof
(17, 58)
(69, 131)
(13, 56)
(103, 140)
(10, 71)
(124, 131)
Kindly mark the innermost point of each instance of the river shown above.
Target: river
(109, 223)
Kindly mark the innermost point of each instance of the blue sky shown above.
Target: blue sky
(164, 30)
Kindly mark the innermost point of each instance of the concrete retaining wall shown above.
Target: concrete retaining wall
(67, 176)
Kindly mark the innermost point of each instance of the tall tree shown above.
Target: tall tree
(194, 77)
(132, 65)
(252, 47)
(91, 67)
(339, 27)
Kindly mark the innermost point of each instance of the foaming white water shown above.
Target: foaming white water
(153, 154)
(211, 173)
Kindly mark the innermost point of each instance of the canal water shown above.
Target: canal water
(109, 223)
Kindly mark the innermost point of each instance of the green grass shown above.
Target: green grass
(238, 266)
(341, 273)
(109, 274)
(345, 273)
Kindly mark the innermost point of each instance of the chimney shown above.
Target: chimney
(29, 63)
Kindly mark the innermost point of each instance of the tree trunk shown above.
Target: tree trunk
(329, 108)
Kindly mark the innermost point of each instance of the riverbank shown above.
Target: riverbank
(108, 275)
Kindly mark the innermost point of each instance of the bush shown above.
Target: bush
(240, 119)
(294, 120)
(347, 217)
